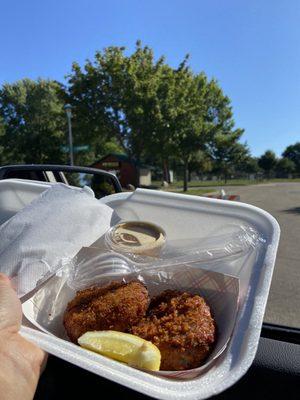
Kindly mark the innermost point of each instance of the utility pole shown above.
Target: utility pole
(68, 109)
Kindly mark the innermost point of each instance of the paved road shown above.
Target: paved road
(282, 200)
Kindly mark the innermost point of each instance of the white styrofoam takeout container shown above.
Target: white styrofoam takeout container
(182, 216)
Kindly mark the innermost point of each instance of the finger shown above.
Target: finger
(4, 278)
(10, 306)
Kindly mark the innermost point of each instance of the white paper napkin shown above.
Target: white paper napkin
(49, 231)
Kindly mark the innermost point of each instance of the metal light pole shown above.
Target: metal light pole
(68, 109)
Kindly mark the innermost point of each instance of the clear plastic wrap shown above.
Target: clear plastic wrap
(183, 265)
(92, 263)
(219, 290)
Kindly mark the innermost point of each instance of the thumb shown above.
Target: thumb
(10, 306)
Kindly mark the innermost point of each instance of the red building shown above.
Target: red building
(120, 165)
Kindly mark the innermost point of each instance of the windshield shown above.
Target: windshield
(191, 97)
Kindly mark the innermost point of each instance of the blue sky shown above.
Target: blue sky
(251, 47)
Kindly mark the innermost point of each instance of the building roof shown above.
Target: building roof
(120, 157)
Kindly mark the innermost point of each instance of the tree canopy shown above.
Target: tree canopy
(267, 162)
(285, 166)
(292, 152)
(131, 103)
(153, 111)
(33, 122)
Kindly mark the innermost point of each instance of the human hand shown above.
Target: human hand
(20, 360)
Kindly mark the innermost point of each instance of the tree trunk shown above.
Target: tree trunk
(138, 159)
(165, 175)
(225, 170)
(185, 176)
(168, 171)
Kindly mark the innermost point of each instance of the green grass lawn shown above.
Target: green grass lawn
(230, 182)
(195, 192)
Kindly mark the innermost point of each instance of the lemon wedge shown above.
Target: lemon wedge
(124, 347)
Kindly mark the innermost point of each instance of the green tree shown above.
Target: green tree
(249, 165)
(33, 128)
(89, 94)
(193, 112)
(223, 138)
(227, 153)
(292, 152)
(200, 163)
(284, 167)
(2, 152)
(114, 97)
(152, 110)
(267, 162)
(140, 101)
(134, 99)
(190, 130)
(160, 146)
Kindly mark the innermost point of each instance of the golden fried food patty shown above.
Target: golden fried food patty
(117, 306)
(181, 326)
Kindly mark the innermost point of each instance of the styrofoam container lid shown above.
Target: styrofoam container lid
(184, 216)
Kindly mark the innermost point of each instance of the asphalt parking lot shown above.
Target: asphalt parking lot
(282, 200)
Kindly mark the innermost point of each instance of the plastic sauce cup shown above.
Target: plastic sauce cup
(137, 237)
